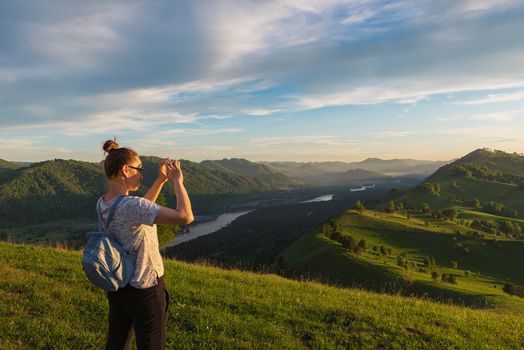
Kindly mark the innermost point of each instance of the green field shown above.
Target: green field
(484, 265)
(46, 303)
(468, 189)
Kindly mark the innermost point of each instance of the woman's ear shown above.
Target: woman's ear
(125, 171)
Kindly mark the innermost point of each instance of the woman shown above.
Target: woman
(142, 304)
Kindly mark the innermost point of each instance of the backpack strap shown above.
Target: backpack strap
(111, 213)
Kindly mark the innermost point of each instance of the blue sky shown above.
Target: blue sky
(263, 80)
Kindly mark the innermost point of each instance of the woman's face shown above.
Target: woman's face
(133, 174)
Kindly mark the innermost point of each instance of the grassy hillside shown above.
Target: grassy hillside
(484, 264)
(485, 175)
(46, 303)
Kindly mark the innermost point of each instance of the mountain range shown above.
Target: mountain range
(371, 168)
(57, 189)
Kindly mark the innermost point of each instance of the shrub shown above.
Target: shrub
(450, 213)
(425, 208)
(348, 242)
(435, 276)
(429, 187)
(359, 206)
(512, 289)
(449, 278)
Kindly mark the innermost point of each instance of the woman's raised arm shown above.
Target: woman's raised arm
(183, 214)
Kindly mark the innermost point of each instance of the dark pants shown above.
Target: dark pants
(144, 310)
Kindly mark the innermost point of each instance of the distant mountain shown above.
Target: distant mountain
(68, 189)
(399, 166)
(307, 172)
(393, 167)
(315, 174)
(352, 177)
(245, 167)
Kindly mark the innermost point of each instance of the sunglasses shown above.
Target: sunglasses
(136, 168)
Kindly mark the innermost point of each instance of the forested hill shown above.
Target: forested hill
(50, 190)
(244, 167)
(5, 165)
(486, 164)
(484, 180)
(68, 189)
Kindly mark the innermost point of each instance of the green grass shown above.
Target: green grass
(471, 214)
(46, 303)
(489, 263)
(63, 232)
(469, 189)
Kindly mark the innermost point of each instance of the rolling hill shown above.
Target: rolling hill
(491, 177)
(400, 253)
(46, 302)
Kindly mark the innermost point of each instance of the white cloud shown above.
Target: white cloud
(449, 119)
(83, 38)
(475, 6)
(359, 96)
(498, 116)
(127, 67)
(494, 98)
(194, 132)
(300, 140)
(259, 111)
(392, 133)
(359, 15)
(30, 149)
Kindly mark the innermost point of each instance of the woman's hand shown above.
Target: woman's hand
(166, 170)
(176, 174)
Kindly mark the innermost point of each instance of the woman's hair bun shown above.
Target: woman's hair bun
(110, 145)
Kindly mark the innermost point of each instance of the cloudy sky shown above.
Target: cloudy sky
(299, 80)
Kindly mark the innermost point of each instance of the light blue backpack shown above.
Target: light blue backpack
(105, 262)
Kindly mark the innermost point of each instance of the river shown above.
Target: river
(207, 227)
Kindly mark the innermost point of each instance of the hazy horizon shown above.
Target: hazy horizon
(252, 160)
(282, 80)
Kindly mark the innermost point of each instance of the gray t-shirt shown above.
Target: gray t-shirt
(133, 226)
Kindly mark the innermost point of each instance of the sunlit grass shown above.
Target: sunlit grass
(484, 265)
(46, 303)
